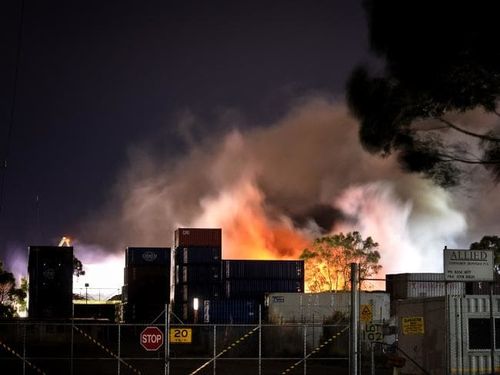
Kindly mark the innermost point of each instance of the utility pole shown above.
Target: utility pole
(353, 348)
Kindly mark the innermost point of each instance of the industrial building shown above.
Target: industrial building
(441, 327)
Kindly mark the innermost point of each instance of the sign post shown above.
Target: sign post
(151, 338)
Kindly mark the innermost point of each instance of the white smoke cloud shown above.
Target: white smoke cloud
(260, 184)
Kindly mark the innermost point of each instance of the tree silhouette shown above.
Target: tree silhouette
(440, 62)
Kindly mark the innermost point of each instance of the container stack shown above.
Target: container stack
(197, 257)
(253, 279)
(146, 288)
(50, 270)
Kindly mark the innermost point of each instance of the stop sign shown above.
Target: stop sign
(151, 338)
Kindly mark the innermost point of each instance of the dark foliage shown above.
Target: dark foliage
(10, 295)
(440, 58)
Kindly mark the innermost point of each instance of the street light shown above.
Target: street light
(196, 305)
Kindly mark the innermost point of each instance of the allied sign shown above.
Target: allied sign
(366, 313)
(468, 265)
(373, 332)
(181, 335)
(151, 338)
(413, 325)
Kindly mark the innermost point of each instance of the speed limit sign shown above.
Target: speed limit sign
(373, 332)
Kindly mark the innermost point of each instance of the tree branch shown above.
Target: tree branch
(452, 158)
(472, 134)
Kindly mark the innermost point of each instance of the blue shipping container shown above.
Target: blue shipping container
(263, 269)
(196, 273)
(145, 256)
(202, 291)
(201, 255)
(230, 311)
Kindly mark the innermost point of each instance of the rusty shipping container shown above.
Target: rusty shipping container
(187, 237)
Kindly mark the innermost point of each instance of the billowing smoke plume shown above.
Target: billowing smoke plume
(272, 189)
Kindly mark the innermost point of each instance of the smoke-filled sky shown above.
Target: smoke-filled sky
(134, 118)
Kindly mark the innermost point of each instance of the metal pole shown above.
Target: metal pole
(119, 348)
(353, 350)
(372, 358)
(167, 339)
(260, 339)
(492, 332)
(215, 348)
(447, 352)
(72, 350)
(305, 348)
(24, 349)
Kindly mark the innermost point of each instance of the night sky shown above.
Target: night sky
(96, 78)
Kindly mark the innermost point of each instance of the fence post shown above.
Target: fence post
(24, 349)
(353, 350)
(260, 339)
(215, 348)
(305, 348)
(119, 348)
(72, 350)
(167, 339)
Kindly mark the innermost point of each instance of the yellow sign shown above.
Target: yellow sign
(413, 325)
(181, 335)
(366, 313)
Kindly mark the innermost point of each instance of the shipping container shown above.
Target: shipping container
(258, 288)
(151, 283)
(263, 269)
(50, 270)
(198, 255)
(417, 285)
(197, 273)
(321, 307)
(201, 291)
(185, 237)
(146, 256)
(139, 274)
(230, 311)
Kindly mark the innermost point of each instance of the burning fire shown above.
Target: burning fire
(248, 231)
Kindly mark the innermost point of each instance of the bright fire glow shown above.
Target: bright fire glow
(248, 231)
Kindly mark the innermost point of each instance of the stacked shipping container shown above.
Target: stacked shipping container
(146, 288)
(255, 278)
(197, 258)
(50, 270)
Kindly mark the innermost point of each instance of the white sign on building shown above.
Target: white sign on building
(468, 265)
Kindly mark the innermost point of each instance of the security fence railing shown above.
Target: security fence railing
(91, 348)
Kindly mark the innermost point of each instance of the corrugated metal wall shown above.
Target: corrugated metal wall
(465, 359)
